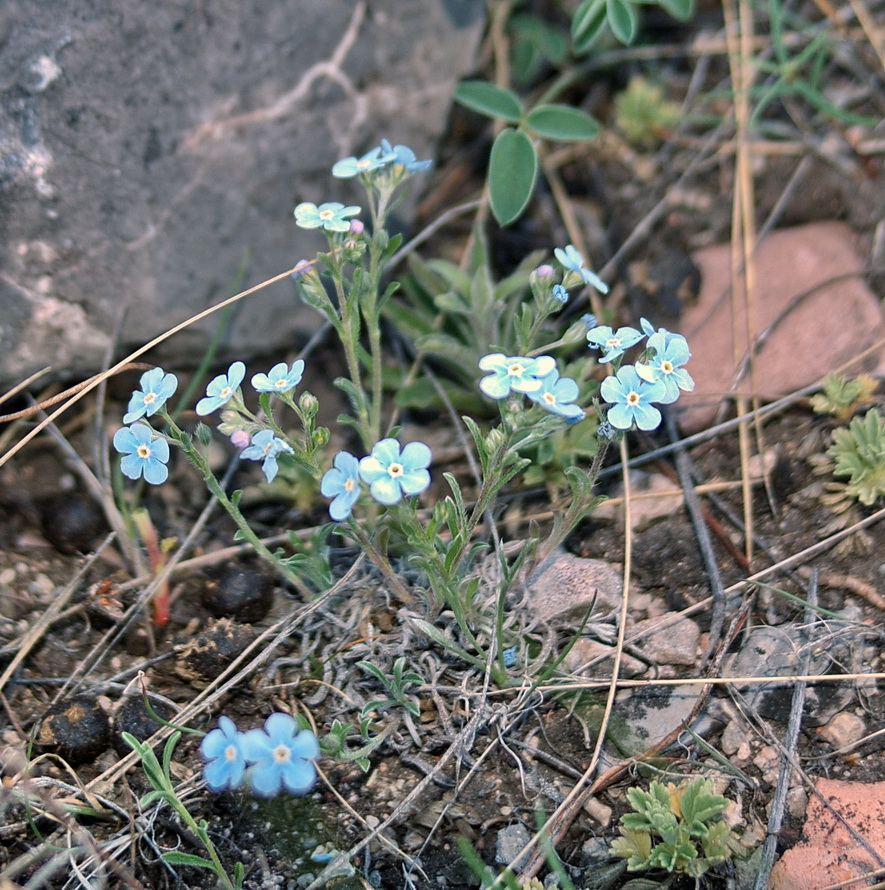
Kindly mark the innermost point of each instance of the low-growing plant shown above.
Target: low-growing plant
(843, 396)
(677, 828)
(858, 452)
(395, 685)
(642, 113)
(534, 403)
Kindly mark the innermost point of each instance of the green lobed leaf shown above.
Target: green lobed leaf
(623, 18)
(513, 169)
(488, 99)
(587, 24)
(699, 803)
(562, 123)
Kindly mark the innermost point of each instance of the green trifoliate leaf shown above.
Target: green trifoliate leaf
(562, 123)
(485, 98)
(679, 9)
(513, 169)
(623, 18)
(587, 24)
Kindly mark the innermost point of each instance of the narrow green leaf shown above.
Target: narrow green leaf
(487, 99)
(562, 123)
(587, 24)
(175, 857)
(623, 18)
(513, 169)
(679, 9)
(168, 751)
(442, 640)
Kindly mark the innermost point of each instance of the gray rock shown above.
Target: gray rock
(510, 843)
(644, 716)
(777, 652)
(668, 639)
(146, 148)
(563, 588)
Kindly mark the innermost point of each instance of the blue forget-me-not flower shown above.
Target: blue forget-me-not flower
(671, 352)
(221, 389)
(513, 373)
(266, 447)
(143, 454)
(390, 474)
(630, 398)
(331, 216)
(555, 395)
(572, 261)
(223, 752)
(281, 756)
(156, 387)
(280, 378)
(613, 343)
(347, 168)
(342, 484)
(404, 157)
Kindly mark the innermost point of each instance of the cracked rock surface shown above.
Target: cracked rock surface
(151, 156)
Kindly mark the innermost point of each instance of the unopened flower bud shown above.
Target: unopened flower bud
(240, 439)
(356, 227)
(544, 271)
(302, 267)
(308, 403)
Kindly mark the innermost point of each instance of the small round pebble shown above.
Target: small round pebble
(238, 590)
(76, 728)
(71, 521)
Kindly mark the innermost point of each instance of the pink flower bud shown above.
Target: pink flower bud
(356, 227)
(545, 271)
(240, 439)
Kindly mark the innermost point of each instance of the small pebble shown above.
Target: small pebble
(71, 521)
(202, 659)
(238, 590)
(77, 729)
(132, 717)
(843, 730)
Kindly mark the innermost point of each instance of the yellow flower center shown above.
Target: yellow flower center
(515, 370)
(230, 753)
(632, 398)
(612, 343)
(363, 164)
(326, 214)
(281, 383)
(666, 367)
(282, 754)
(395, 469)
(226, 393)
(150, 397)
(144, 452)
(549, 398)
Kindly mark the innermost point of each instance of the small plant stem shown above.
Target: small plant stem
(203, 835)
(348, 341)
(381, 561)
(214, 486)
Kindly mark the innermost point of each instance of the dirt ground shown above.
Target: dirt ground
(76, 629)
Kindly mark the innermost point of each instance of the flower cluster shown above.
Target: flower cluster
(537, 378)
(656, 378)
(278, 757)
(552, 295)
(146, 452)
(400, 158)
(389, 472)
